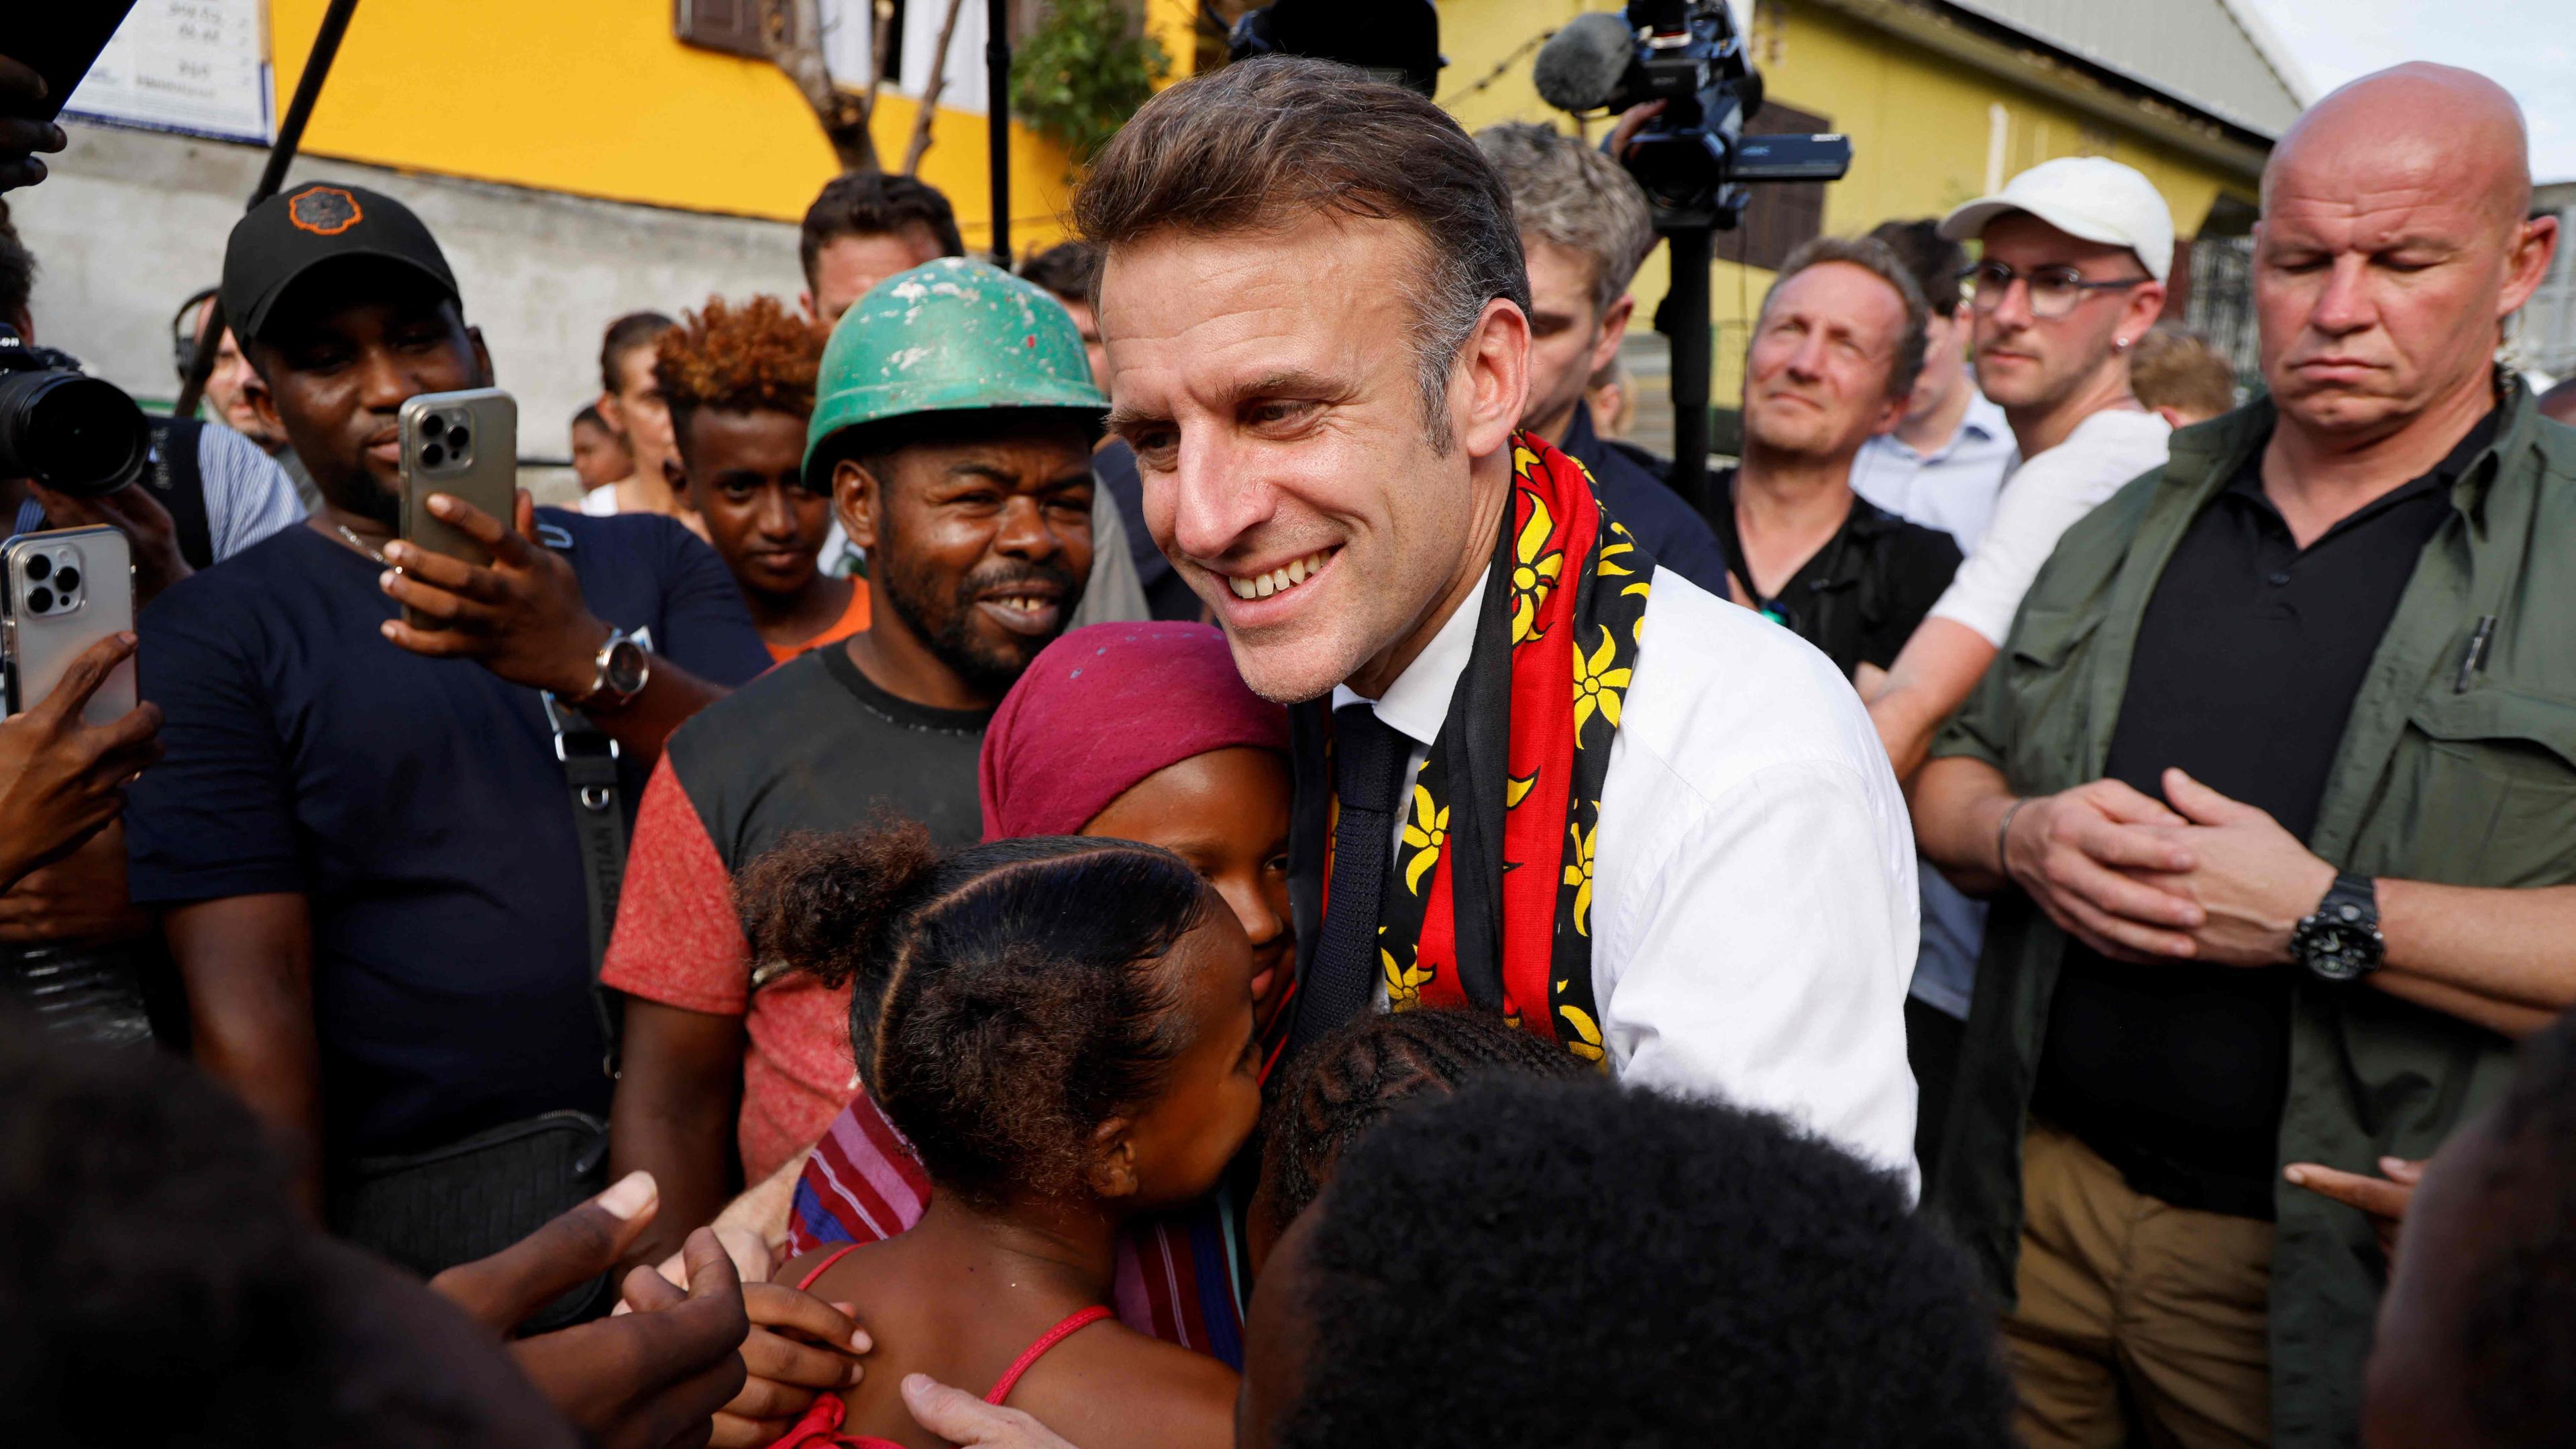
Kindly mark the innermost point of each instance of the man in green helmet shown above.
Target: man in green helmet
(953, 422)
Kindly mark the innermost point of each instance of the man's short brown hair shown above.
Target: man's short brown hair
(1264, 144)
(1877, 259)
(1934, 261)
(871, 203)
(2174, 367)
(756, 357)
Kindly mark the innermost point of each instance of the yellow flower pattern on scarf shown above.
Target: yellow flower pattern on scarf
(1586, 1041)
(1424, 835)
(1403, 983)
(1578, 873)
(1597, 685)
(1536, 569)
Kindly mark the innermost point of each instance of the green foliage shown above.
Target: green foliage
(1082, 73)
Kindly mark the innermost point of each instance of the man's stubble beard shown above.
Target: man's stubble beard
(950, 639)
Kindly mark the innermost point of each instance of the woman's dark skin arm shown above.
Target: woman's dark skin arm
(247, 964)
(679, 1084)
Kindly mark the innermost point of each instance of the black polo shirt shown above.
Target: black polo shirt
(1860, 596)
(2248, 658)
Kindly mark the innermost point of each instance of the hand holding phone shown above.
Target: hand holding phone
(61, 779)
(521, 614)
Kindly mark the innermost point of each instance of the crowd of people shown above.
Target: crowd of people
(1181, 845)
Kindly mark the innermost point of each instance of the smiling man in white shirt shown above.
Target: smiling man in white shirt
(1572, 789)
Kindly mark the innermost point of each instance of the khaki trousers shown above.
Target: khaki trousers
(2135, 1317)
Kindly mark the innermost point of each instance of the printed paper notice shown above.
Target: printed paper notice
(199, 66)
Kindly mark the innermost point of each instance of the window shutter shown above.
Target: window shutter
(1780, 217)
(732, 26)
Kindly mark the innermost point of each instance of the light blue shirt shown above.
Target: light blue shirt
(1952, 488)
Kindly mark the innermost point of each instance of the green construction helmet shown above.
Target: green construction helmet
(950, 335)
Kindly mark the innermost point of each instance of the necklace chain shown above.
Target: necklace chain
(359, 544)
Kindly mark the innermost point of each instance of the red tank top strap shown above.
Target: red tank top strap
(1027, 1360)
(819, 1269)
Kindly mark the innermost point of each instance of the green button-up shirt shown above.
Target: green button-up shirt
(2446, 772)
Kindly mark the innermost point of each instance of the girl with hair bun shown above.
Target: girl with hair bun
(1137, 732)
(1062, 1029)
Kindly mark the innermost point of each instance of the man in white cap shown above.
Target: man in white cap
(2075, 255)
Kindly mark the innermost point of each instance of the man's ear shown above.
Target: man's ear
(2146, 304)
(858, 501)
(1614, 328)
(262, 399)
(1486, 404)
(678, 477)
(1111, 1172)
(805, 304)
(482, 357)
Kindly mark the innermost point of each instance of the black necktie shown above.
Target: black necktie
(1368, 764)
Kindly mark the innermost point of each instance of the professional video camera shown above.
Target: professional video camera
(62, 427)
(1693, 161)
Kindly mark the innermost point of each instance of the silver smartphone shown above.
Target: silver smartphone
(67, 588)
(465, 444)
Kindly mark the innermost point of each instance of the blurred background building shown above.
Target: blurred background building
(585, 158)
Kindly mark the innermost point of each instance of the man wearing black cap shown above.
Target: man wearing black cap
(367, 848)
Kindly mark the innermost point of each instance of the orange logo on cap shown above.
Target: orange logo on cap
(324, 211)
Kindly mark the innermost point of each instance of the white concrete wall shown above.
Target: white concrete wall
(131, 222)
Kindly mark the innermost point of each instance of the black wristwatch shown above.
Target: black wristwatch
(2341, 940)
(618, 674)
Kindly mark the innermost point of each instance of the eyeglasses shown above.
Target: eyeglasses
(2054, 291)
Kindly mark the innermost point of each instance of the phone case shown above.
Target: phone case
(68, 588)
(465, 444)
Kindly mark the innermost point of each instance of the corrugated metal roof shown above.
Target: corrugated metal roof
(2213, 55)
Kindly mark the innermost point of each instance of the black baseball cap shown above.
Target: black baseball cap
(304, 226)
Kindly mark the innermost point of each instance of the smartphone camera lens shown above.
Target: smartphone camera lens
(458, 439)
(67, 580)
(38, 566)
(431, 455)
(41, 600)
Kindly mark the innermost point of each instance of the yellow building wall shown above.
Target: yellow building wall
(596, 98)
(1918, 124)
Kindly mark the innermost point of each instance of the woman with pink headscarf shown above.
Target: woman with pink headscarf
(1139, 732)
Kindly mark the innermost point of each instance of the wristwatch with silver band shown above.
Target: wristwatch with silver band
(2340, 940)
(619, 673)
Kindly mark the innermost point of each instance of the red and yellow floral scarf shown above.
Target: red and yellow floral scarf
(1490, 896)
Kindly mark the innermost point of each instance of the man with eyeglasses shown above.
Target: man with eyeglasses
(2075, 254)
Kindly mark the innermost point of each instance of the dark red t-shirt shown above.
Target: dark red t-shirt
(811, 745)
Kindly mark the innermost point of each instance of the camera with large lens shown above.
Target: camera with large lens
(1693, 160)
(70, 431)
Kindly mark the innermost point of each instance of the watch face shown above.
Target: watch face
(2338, 951)
(626, 666)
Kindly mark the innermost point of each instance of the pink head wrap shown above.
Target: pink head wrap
(1102, 708)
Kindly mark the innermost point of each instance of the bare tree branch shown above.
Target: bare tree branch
(930, 93)
(794, 32)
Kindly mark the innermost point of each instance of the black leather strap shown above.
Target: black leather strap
(589, 759)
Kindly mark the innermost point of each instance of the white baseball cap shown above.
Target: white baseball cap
(2092, 197)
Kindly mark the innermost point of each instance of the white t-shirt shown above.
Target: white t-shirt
(2040, 501)
(601, 502)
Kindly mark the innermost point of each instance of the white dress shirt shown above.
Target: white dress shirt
(1951, 488)
(1753, 891)
(2041, 500)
